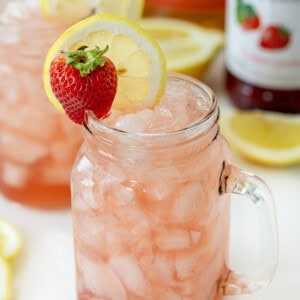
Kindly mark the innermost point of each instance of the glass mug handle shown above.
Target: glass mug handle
(237, 181)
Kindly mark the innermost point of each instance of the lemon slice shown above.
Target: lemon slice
(78, 9)
(5, 279)
(139, 60)
(189, 48)
(265, 137)
(10, 240)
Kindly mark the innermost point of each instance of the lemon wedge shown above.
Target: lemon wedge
(79, 9)
(5, 279)
(139, 60)
(189, 48)
(10, 240)
(268, 138)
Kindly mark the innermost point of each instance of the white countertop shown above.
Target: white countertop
(44, 270)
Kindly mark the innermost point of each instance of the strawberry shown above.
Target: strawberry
(247, 16)
(84, 80)
(275, 37)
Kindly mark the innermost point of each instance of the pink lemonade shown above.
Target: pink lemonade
(149, 220)
(37, 145)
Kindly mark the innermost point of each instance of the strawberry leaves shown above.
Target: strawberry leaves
(247, 16)
(85, 61)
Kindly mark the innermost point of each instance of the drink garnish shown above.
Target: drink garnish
(84, 80)
(133, 67)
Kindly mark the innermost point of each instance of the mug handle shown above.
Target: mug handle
(236, 181)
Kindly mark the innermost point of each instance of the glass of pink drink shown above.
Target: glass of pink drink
(37, 145)
(151, 203)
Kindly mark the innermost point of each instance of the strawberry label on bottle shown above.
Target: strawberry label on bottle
(263, 42)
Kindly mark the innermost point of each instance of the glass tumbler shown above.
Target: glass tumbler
(151, 210)
(37, 144)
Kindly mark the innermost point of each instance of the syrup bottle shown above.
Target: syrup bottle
(262, 54)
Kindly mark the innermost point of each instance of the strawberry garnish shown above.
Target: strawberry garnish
(84, 80)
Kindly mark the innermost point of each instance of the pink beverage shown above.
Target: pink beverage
(151, 205)
(37, 145)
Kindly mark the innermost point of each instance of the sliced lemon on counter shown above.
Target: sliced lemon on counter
(10, 240)
(78, 9)
(189, 48)
(5, 279)
(268, 138)
(139, 60)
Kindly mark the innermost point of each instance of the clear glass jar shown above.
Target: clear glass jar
(37, 143)
(151, 210)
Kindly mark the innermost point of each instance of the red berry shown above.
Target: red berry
(275, 37)
(76, 93)
(251, 23)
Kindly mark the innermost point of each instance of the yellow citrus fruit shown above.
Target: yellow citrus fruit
(10, 240)
(79, 9)
(268, 138)
(139, 60)
(5, 279)
(189, 48)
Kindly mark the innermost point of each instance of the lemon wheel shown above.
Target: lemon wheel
(139, 60)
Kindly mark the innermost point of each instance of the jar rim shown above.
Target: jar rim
(199, 126)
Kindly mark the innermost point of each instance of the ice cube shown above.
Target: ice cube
(186, 263)
(162, 269)
(162, 120)
(101, 280)
(195, 236)
(168, 294)
(84, 166)
(171, 240)
(14, 174)
(123, 195)
(21, 149)
(128, 270)
(157, 188)
(186, 205)
(137, 122)
(37, 123)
